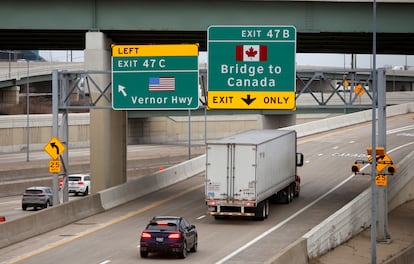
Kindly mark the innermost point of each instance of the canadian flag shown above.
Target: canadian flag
(251, 53)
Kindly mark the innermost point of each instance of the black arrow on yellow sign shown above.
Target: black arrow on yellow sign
(248, 100)
(53, 145)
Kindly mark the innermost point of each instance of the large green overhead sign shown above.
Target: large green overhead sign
(251, 67)
(154, 77)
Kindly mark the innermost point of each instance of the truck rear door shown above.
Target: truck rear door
(244, 172)
(231, 172)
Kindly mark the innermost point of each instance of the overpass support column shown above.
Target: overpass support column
(10, 95)
(108, 145)
(277, 121)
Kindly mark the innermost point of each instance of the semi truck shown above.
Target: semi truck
(247, 171)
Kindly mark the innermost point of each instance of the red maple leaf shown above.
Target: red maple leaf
(251, 52)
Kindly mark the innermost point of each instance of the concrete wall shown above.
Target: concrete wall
(13, 131)
(158, 130)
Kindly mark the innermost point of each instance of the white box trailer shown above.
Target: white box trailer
(246, 171)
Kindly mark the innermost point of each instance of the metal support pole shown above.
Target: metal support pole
(27, 114)
(189, 134)
(374, 141)
(55, 124)
(65, 155)
(383, 235)
(64, 96)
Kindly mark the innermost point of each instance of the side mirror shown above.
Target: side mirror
(299, 159)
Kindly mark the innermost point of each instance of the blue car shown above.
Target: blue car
(169, 234)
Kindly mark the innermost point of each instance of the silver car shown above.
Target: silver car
(37, 197)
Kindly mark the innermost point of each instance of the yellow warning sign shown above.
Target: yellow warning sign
(359, 90)
(251, 100)
(381, 180)
(54, 166)
(54, 148)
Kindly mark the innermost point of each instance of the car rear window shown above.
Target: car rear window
(33, 191)
(74, 178)
(162, 226)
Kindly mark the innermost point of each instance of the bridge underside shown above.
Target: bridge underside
(322, 26)
(333, 42)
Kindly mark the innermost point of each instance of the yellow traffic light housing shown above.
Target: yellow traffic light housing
(379, 151)
(392, 169)
(356, 168)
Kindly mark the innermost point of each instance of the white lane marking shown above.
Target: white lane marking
(298, 212)
(105, 262)
(396, 130)
(201, 217)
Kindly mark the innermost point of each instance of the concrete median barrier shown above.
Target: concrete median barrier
(133, 189)
(48, 219)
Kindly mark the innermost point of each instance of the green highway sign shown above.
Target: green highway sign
(251, 67)
(154, 77)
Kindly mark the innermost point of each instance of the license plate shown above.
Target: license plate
(159, 239)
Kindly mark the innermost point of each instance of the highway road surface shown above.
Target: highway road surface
(327, 184)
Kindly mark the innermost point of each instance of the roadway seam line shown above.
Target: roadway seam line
(102, 226)
(297, 213)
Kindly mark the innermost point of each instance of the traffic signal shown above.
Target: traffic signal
(379, 152)
(356, 168)
(392, 169)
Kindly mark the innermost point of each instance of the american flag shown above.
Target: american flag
(161, 84)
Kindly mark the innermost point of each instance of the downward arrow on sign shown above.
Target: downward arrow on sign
(248, 100)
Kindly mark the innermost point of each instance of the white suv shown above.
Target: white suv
(79, 183)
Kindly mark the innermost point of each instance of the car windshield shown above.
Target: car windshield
(74, 178)
(33, 191)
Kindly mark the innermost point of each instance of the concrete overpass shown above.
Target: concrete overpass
(324, 26)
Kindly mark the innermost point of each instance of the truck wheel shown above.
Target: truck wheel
(267, 208)
(286, 195)
(260, 213)
(292, 191)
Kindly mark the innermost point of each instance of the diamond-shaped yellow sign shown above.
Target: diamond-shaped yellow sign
(54, 148)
